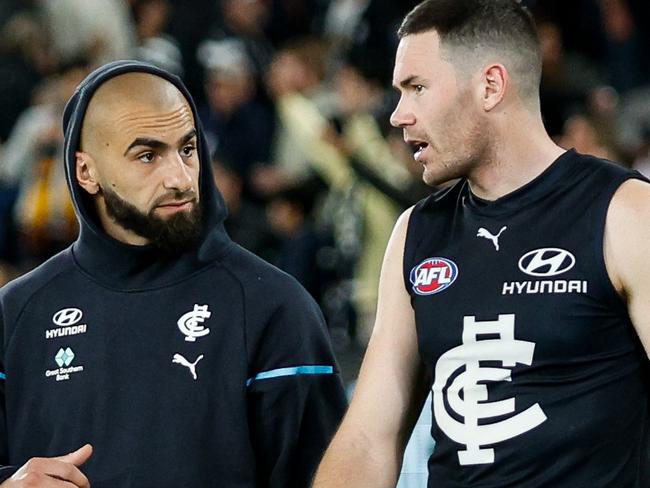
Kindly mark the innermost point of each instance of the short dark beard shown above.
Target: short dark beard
(173, 235)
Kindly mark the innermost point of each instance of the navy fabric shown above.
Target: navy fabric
(539, 378)
(147, 356)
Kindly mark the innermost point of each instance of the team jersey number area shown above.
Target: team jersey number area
(462, 384)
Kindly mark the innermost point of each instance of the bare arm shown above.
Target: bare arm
(368, 448)
(627, 248)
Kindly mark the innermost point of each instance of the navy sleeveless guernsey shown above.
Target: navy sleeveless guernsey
(539, 379)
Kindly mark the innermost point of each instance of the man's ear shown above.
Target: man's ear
(86, 172)
(495, 81)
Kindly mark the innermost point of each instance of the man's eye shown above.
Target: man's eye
(418, 88)
(188, 150)
(147, 157)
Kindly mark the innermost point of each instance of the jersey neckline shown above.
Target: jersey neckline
(536, 189)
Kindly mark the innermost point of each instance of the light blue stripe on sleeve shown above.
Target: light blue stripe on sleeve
(296, 370)
(3, 376)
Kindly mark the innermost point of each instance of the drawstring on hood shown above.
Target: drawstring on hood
(114, 263)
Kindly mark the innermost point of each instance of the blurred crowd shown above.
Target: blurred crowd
(295, 96)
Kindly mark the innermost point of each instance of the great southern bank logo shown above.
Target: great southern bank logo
(64, 358)
(433, 275)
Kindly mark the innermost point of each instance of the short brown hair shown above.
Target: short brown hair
(496, 26)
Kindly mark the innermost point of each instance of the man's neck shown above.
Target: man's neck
(521, 151)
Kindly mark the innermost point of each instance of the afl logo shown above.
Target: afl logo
(433, 275)
(549, 261)
(67, 317)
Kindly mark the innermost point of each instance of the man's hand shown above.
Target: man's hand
(55, 472)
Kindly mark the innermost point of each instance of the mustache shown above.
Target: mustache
(175, 196)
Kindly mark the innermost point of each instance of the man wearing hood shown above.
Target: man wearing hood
(179, 357)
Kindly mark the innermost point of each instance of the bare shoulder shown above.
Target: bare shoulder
(627, 234)
(632, 195)
(393, 259)
(398, 237)
(403, 221)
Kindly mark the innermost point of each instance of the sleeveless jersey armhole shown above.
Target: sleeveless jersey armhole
(599, 242)
(409, 245)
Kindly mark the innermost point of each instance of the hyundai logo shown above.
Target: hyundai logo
(549, 261)
(67, 316)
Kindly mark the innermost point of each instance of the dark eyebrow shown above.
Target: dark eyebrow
(145, 141)
(407, 81)
(156, 144)
(187, 137)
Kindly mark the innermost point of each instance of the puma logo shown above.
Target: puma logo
(483, 232)
(178, 359)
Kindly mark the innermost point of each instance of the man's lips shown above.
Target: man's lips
(172, 206)
(418, 146)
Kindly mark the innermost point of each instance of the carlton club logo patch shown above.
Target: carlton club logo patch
(433, 275)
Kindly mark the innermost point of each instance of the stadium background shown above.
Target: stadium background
(295, 97)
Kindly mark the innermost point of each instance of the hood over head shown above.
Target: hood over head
(125, 266)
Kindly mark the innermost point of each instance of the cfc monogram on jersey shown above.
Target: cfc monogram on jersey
(531, 350)
(467, 395)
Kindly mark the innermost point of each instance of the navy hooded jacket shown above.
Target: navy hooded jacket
(206, 369)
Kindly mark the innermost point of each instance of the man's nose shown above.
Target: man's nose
(402, 116)
(178, 174)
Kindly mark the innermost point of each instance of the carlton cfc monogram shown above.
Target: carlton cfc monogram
(469, 398)
(190, 323)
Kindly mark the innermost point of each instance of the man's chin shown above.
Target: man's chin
(168, 227)
(439, 176)
(435, 179)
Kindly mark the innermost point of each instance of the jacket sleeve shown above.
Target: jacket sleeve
(295, 395)
(5, 469)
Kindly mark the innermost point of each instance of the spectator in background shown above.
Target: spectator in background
(343, 23)
(384, 186)
(155, 45)
(238, 126)
(294, 19)
(581, 133)
(31, 164)
(357, 165)
(297, 69)
(246, 222)
(9, 8)
(625, 45)
(377, 27)
(24, 60)
(289, 214)
(567, 78)
(101, 30)
(244, 20)
(633, 122)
